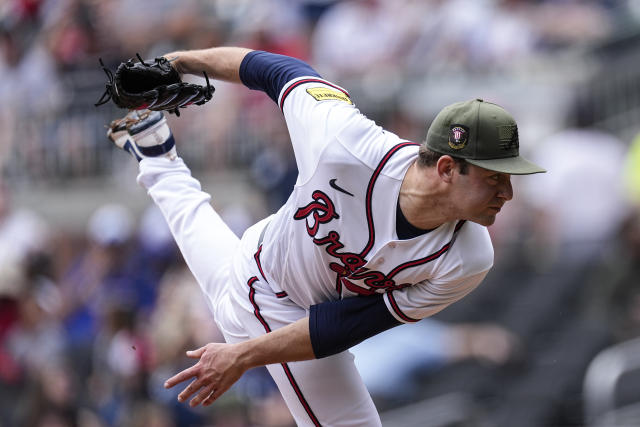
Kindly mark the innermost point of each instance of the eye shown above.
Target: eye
(495, 177)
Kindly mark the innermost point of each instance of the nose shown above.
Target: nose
(506, 190)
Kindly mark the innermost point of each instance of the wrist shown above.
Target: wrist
(246, 356)
(177, 61)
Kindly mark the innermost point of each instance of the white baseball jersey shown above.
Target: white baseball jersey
(334, 238)
(336, 235)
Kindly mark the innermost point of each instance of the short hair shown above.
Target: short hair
(429, 158)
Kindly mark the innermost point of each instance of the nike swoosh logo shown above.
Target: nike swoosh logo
(333, 184)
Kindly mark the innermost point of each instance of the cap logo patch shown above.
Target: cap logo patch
(458, 137)
(508, 136)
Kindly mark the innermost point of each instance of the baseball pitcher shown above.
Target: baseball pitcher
(377, 232)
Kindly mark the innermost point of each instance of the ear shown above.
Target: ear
(446, 167)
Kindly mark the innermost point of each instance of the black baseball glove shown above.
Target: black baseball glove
(154, 85)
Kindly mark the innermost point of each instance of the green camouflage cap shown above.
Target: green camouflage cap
(483, 134)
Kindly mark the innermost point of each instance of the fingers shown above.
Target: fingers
(195, 354)
(204, 394)
(187, 373)
(214, 373)
(190, 390)
(182, 376)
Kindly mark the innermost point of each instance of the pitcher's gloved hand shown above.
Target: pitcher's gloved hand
(152, 84)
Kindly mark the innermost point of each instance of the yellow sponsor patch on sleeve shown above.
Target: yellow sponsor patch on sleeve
(326, 94)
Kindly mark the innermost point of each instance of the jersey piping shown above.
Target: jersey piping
(397, 310)
(429, 258)
(369, 197)
(256, 257)
(285, 366)
(308, 80)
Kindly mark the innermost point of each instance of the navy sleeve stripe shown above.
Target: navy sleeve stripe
(270, 72)
(335, 326)
(303, 81)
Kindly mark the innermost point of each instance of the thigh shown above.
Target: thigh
(326, 391)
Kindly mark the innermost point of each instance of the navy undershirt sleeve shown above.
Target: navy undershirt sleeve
(335, 326)
(269, 72)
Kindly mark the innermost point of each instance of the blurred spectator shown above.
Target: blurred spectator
(424, 347)
(343, 43)
(122, 22)
(181, 321)
(52, 398)
(155, 251)
(612, 296)
(37, 327)
(30, 82)
(479, 35)
(24, 252)
(274, 171)
(32, 341)
(11, 373)
(277, 26)
(102, 279)
(22, 231)
(580, 205)
(238, 218)
(575, 22)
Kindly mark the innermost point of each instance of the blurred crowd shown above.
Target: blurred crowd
(49, 51)
(94, 318)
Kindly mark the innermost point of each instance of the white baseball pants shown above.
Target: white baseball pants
(328, 391)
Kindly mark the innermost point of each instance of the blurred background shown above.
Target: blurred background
(97, 306)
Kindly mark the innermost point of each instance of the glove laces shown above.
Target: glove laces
(108, 92)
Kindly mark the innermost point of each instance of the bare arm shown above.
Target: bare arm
(221, 365)
(221, 63)
(331, 327)
(288, 344)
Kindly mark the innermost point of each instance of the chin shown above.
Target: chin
(485, 220)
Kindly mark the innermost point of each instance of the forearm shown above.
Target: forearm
(332, 327)
(257, 70)
(288, 344)
(220, 63)
(221, 365)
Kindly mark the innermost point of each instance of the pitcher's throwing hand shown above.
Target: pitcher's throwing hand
(218, 367)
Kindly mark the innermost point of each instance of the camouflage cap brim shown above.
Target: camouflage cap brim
(517, 165)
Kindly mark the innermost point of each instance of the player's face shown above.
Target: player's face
(482, 193)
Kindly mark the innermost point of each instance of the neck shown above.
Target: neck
(422, 198)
